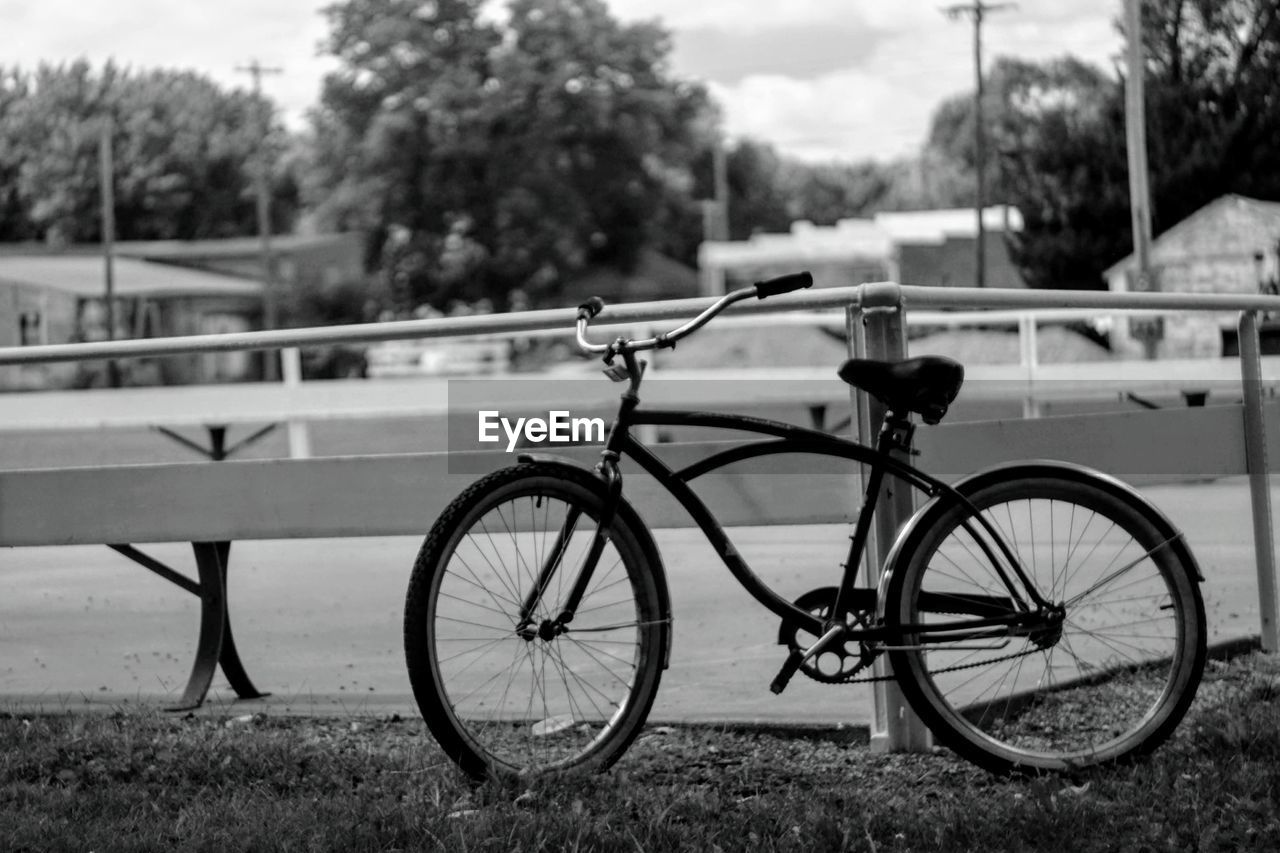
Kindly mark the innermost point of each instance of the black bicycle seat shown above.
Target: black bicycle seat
(924, 385)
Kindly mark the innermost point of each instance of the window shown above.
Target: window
(30, 328)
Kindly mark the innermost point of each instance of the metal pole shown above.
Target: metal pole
(979, 152)
(1136, 142)
(1256, 462)
(977, 11)
(270, 319)
(720, 167)
(1030, 360)
(106, 172)
(299, 432)
(878, 330)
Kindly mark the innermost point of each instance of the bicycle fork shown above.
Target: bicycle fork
(549, 629)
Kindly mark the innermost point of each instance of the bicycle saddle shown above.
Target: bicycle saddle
(924, 385)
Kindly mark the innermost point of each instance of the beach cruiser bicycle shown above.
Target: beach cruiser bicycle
(1037, 616)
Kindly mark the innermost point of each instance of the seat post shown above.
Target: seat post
(896, 433)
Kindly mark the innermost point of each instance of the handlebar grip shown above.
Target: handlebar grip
(783, 284)
(590, 308)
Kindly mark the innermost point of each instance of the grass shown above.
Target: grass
(146, 781)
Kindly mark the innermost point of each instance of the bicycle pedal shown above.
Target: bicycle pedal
(789, 668)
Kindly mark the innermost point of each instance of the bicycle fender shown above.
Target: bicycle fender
(1032, 469)
(633, 520)
(553, 459)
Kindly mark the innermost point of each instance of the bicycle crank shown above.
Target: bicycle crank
(838, 660)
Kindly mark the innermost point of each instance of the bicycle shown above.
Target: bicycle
(1038, 616)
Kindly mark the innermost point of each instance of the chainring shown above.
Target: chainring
(838, 664)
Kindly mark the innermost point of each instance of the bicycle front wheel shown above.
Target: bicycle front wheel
(504, 693)
(1107, 678)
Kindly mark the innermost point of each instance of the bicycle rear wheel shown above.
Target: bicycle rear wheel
(1109, 682)
(505, 696)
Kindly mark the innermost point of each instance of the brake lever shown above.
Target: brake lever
(620, 373)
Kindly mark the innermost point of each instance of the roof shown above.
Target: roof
(935, 226)
(232, 246)
(859, 239)
(83, 275)
(1266, 213)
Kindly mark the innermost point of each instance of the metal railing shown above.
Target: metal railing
(875, 316)
(560, 320)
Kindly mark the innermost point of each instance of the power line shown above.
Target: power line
(977, 11)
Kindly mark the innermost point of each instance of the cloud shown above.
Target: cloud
(840, 116)
(212, 38)
(876, 102)
(733, 16)
(817, 78)
(798, 51)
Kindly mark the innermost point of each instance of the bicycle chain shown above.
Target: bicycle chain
(955, 668)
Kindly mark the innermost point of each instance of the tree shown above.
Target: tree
(1211, 93)
(757, 193)
(824, 193)
(1058, 128)
(182, 149)
(500, 155)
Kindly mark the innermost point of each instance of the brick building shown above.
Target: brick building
(1228, 246)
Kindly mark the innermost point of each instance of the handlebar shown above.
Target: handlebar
(783, 284)
(588, 310)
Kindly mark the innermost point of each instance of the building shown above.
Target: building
(1230, 245)
(932, 248)
(48, 299)
(301, 261)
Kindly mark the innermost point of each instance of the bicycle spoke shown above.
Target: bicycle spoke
(552, 698)
(1123, 570)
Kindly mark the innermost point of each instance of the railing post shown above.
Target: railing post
(1256, 462)
(291, 372)
(877, 329)
(1028, 350)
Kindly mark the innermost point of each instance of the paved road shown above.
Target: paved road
(318, 621)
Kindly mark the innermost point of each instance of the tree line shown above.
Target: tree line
(487, 156)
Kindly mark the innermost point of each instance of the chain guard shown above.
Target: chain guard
(838, 664)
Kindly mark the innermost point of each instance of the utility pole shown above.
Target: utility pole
(106, 181)
(715, 210)
(269, 306)
(977, 11)
(1149, 331)
(720, 168)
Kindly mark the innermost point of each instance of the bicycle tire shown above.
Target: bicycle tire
(1125, 667)
(575, 700)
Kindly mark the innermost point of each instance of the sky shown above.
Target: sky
(821, 80)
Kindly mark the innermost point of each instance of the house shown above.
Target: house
(301, 261)
(61, 298)
(1228, 246)
(934, 248)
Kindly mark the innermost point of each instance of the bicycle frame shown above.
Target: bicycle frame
(990, 615)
